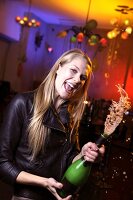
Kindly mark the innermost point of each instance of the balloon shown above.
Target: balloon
(103, 42)
(91, 24)
(93, 40)
(124, 35)
(73, 39)
(80, 37)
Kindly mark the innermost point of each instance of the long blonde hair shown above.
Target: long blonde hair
(44, 96)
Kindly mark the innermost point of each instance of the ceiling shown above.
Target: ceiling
(68, 12)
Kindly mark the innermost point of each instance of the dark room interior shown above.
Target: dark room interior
(103, 30)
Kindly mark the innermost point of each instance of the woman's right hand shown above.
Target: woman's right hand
(49, 183)
(52, 185)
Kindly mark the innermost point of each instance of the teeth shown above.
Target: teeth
(70, 85)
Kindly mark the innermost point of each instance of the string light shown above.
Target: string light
(26, 20)
(121, 27)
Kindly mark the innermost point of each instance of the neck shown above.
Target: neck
(58, 102)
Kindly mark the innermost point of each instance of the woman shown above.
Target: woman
(39, 132)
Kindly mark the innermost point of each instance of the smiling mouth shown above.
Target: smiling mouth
(69, 87)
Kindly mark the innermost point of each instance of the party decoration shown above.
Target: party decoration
(38, 39)
(85, 33)
(103, 42)
(27, 21)
(48, 47)
(90, 25)
(94, 39)
(121, 27)
(80, 33)
(62, 34)
(73, 39)
(124, 35)
(80, 37)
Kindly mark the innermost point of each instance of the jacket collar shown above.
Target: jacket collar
(58, 121)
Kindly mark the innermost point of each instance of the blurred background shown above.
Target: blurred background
(34, 33)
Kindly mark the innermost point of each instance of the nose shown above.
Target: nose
(77, 78)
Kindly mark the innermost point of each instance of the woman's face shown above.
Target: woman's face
(71, 77)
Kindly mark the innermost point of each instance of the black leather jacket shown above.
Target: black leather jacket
(14, 152)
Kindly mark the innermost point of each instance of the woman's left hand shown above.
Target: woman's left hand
(92, 153)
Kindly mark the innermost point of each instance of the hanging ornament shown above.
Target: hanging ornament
(80, 37)
(91, 24)
(25, 21)
(128, 30)
(103, 42)
(38, 40)
(62, 34)
(93, 40)
(124, 35)
(84, 32)
(50, 49)
(73, 39)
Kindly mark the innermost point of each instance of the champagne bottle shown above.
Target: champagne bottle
(77, 174)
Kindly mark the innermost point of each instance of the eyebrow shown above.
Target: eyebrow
(76, 66)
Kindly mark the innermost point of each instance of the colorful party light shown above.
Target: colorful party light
(27, 20)
(121, 27)
(84, 33)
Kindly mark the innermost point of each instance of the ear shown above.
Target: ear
(59, 68)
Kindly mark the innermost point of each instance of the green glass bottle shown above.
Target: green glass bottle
(77, 174)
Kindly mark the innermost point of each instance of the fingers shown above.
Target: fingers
(59, 198)
(92, 153)
(102, 150)
(53, 185)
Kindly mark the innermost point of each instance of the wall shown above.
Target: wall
(107, 73)
(8, 11)
(122, 64)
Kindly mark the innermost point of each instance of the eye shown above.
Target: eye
(74, 70)
(83, 77)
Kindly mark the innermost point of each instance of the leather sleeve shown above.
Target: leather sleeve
(10, 133)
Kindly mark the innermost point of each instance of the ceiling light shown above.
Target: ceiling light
(122, 28)
(27, 20)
